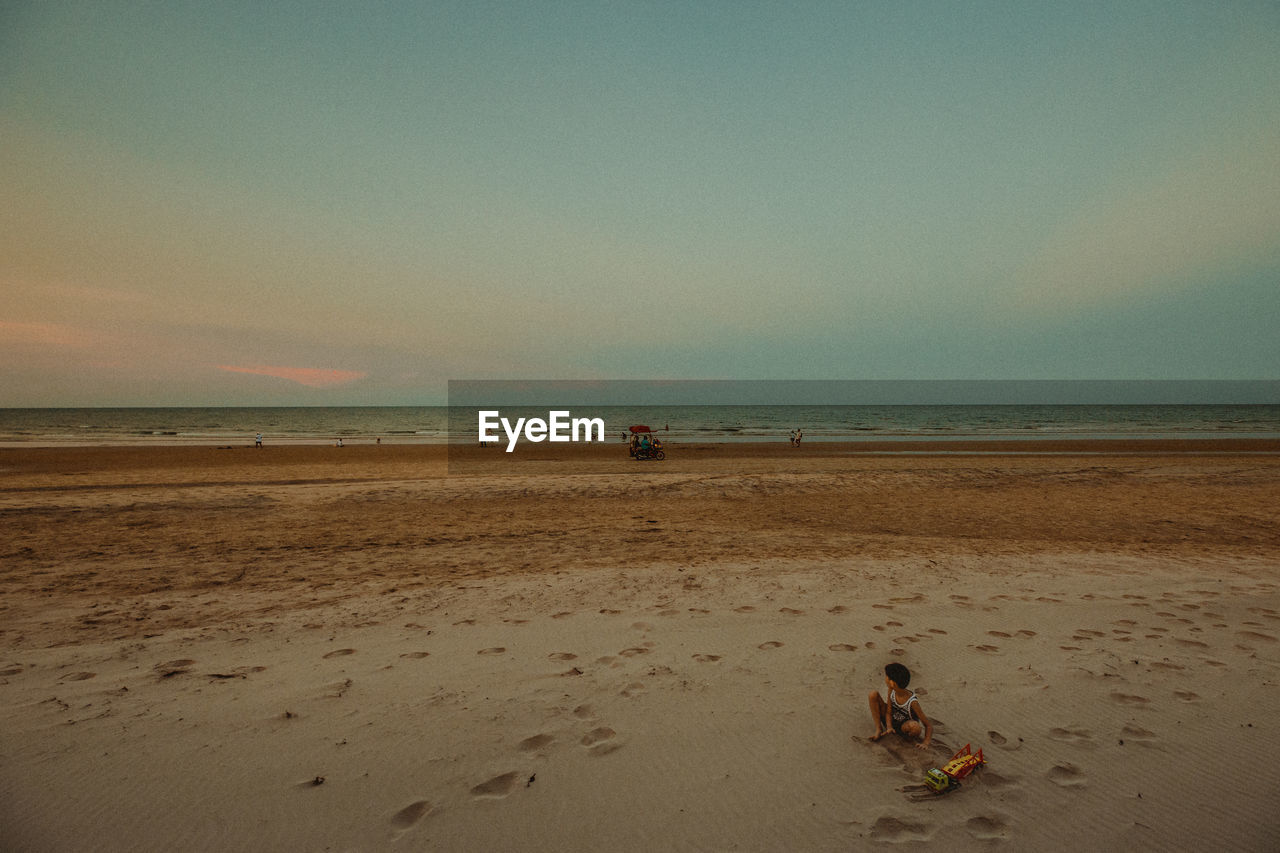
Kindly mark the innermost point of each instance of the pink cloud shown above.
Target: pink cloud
(46, 335)
(312, 377)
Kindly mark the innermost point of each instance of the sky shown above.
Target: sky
(287, 203)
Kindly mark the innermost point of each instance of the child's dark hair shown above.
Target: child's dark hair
(898, 674)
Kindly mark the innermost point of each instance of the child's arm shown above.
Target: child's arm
(928, 727)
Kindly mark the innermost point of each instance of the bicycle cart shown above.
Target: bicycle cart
(644, 444)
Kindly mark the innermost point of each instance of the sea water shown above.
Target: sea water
(688, 423)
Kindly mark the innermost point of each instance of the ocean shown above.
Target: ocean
(689, 423)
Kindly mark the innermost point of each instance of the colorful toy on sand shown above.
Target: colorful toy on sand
(946, 778)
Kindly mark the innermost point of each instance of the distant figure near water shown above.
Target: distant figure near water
(257, 440)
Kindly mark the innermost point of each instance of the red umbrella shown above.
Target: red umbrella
(640, 428)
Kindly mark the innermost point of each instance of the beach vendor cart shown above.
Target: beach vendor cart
(643, 444)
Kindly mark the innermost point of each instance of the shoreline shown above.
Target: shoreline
(883, 440)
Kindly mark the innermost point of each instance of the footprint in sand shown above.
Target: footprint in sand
(1136, 733)
(1129, 699)
(496, 650)
(85, 676)
(1255, 635)
(839, 608)
(416, 655)
(635, 688)
(11, 671)
(1001, 634)
(790, 611)
(987, 827)
(171, 668)
(994, 781)
(1080, 736)
(497, 787)
(411, 814)
(562, 614)
(986, 648)
(699, 611)
(1026, 634)
(1186, 695)
(771, 644)
(1066, 776)
(597, 735)
(1165, 664)
(584, 712)
(842, 647)
(562, 656)
(893, 829)
(535, 743)
(997, 738)
(339, 653)
(642, 626)
(701, 658)
(936, 631)
(894, 624)
(632, 652)
(869, 644)
(600, 741)
(1191, 644)
(746, 608)
(610, 612)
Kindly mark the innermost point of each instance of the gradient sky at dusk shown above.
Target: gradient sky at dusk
(351, 203)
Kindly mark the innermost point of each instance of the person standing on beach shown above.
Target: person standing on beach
(257, 440)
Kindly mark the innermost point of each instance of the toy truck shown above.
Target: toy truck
(946, 778)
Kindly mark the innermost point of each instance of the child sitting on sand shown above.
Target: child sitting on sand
(902, 712)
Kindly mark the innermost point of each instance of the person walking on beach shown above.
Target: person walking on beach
(902, 713)
(257, 440)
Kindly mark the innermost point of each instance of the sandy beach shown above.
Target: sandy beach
(314, 648)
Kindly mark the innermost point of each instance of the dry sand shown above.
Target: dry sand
(322, 649)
